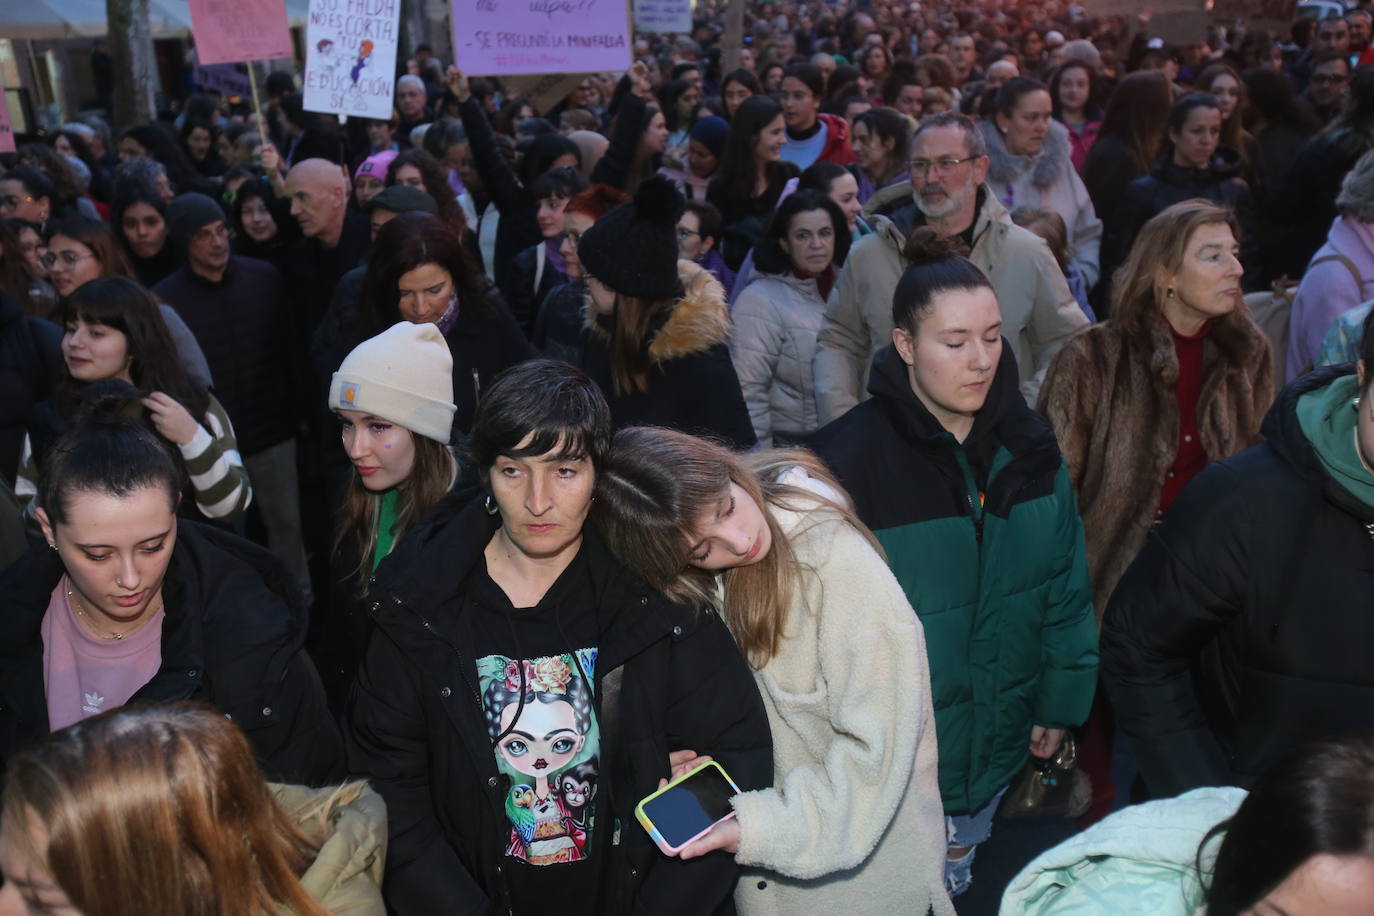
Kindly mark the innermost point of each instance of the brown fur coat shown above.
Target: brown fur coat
(1110, 398)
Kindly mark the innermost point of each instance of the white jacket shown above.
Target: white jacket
(1048, 180)
(772, 344)
(854, 822)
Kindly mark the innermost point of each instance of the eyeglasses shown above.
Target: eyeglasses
(68, 258)
(943, 166)
(685, 234)
(1327, 79)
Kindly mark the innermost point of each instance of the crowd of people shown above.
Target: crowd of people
(878, 410)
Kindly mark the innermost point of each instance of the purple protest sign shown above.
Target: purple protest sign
(227, 33)
(496, 37)
(350, 59)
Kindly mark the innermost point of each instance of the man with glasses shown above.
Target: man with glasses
(238, 311)
(948, 165)
(1327, 86)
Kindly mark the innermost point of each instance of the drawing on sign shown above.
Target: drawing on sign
(351, 57)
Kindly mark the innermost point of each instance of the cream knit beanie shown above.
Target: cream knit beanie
(405, 375)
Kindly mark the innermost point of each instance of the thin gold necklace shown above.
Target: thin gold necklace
(90, 621)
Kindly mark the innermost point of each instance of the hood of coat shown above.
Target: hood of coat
(1283, 428)
(347, 825)
(1226, 163)
(695, 323)
(1045, 167)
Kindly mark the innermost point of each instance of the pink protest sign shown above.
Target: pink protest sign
(227, 33)
(496, 37)
(6, 130)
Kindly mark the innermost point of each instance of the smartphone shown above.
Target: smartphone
(688, 807)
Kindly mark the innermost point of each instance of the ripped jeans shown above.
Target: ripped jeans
(966, 831)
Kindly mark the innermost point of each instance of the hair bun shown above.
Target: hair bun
(926, 246)
(659, 201)
(109, 401)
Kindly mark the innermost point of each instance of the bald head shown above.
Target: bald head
(318, 192)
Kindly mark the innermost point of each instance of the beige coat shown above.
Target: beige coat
(1110, 398)
(854, 822)
(1038, 311)
(348, 826)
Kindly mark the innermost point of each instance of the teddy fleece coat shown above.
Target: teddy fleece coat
(1110, 396)
(1038, 309)
(855, 815)
(985, 540)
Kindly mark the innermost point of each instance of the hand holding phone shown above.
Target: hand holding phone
(686, 810)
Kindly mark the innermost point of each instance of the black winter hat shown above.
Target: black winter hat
(187, 214)
(633, 249)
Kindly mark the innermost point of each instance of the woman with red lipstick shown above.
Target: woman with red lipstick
(839, 657)
(966, 490)
(124, 602)
(1177, 377)
(114, 332)
(393, 396)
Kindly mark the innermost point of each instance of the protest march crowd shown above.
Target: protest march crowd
(916, 410)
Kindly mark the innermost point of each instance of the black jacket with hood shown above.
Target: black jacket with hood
(1244, 626)
(417, 728)
(231, 636)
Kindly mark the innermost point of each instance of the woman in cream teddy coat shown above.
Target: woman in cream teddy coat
(854, 816)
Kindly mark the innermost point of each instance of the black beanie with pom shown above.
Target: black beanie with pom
(633, 249)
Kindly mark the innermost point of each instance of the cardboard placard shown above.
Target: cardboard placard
(242, 30)
(513, 37)
(663, 16)
(350, 57)
(543, 92)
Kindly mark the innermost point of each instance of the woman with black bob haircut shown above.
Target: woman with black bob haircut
(779, 313)
(125, 602)
(420, 272)
(1301, 841)
(116, 346)
(501, 619)
(751, 176)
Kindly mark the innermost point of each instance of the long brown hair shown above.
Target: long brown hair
(159, 810)
(1140, 285)
(98, 237)
(629, 351)
(1233, 128)
(1136, 114)
(430, 478)
(651, 495)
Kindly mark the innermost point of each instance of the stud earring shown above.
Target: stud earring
(491, 506)
(1169, 293)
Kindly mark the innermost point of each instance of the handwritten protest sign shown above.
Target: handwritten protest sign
(350, 62)
(6, 129)
(502, 37)
(227, 33)
(663, 15)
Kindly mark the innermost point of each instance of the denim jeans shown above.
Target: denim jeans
(967, 831)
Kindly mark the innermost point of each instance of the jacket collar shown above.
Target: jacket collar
(694, 324)
(1045, 167)
(1225, 164)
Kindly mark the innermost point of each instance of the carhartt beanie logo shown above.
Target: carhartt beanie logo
(403, 375)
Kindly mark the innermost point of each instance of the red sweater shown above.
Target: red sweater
(1190, 458)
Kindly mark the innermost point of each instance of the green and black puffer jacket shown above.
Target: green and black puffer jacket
(985, 538)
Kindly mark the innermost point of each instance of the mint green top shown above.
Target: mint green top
(1328, 421)
(386, 525)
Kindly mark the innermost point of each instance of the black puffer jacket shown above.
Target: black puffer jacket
(232, 636)
(419, 734)
(30, 367)
(1169, 183)
(1244, 626)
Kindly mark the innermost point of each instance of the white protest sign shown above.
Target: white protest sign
(663, 15)
(511, 37)
(350, 63)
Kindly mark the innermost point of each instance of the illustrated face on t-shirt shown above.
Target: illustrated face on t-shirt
(539, 714)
